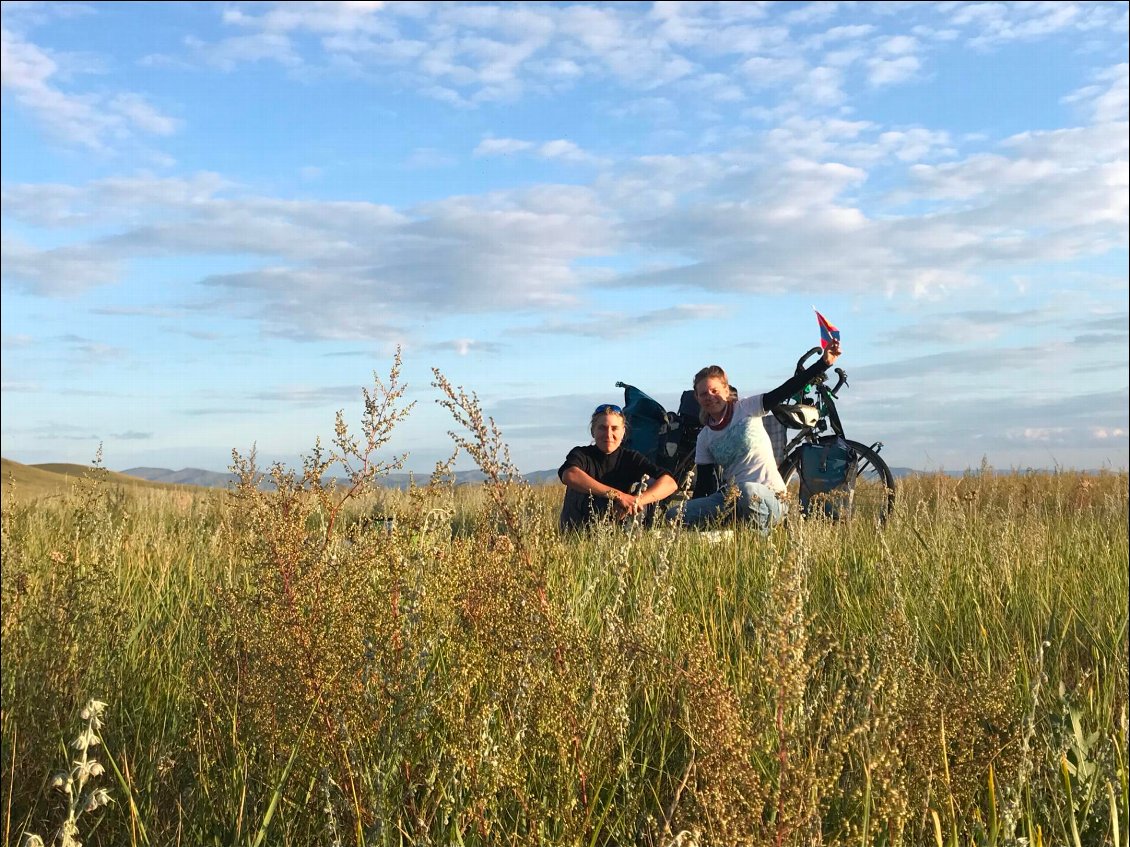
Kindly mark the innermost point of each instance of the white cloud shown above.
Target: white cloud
(1109, 100)
(565, 150)
(1053, 198)
(326, 17)
(131, 435)
(742, 221)
(890, 71)
(822, 86)
(464, 346)
(859, 143)
(20, 387)
(328, 269)
(608, 326)
(1101, 433)
(60, 272)
(557, 72)
(459, 54)
(302, 395)
(897, 45)
(16, 341)
(914, 145)
(809, 13)
(93, 121)
(1041, 434)
(232, 52)
(139, 113)
(987, 25)
(561, 149)
(94, 352)
(501, 146)
(837, 34)
(1062, 193)
(980, 326)
(470, 54)
(717, 88)
(768, 72)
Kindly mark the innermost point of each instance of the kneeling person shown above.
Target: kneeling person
(599, 477)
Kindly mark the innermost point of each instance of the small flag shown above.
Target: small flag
(828, 333)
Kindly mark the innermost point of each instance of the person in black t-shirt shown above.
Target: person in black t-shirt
(599, 477)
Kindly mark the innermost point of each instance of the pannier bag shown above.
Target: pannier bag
(646, 420)
(667, 438)
(827, 478)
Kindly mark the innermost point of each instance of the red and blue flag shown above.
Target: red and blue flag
(828, 333)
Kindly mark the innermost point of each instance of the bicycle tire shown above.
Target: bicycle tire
(873, 497)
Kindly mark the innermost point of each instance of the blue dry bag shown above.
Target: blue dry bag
(827, 478)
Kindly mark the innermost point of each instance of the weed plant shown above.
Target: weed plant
(301, 663)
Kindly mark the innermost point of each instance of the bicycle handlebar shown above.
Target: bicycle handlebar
(841, 382)
(802, 365)
(802, 362)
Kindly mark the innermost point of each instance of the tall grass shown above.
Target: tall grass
(287, 667)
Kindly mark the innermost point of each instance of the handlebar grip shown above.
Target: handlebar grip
(841, 383)
(800, 364)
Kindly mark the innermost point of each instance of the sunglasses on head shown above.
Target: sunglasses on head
(608, 407)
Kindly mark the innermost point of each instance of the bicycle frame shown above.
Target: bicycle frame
(869, 467)
(825, 402)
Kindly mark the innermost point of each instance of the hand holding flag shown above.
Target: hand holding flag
(828, 333)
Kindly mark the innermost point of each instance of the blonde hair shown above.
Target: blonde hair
(712, 372)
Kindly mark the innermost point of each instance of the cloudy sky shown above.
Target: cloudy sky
(220, 219)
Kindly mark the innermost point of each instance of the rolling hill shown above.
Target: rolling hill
(30, 482)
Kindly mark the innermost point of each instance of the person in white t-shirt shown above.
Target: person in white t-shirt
(733, 437)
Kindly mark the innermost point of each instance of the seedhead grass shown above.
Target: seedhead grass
(303, 663)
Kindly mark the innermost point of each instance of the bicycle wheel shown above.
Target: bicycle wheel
(873, 495)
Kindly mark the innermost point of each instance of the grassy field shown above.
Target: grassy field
(288, 667)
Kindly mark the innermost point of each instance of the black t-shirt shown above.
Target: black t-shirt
(620, 469)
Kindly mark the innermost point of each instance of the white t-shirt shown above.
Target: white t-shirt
(742, 448)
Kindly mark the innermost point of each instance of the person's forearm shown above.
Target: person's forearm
(661, 489)
(579, 481)
(793, 385)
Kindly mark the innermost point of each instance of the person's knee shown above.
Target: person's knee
(752, 498)
(759, 505)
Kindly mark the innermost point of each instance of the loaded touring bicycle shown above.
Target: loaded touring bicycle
(827, 473)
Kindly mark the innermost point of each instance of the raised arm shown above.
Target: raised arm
(797, 383)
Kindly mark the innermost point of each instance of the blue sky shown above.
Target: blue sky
(219, 220)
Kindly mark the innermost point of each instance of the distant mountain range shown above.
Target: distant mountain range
(214, 479)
